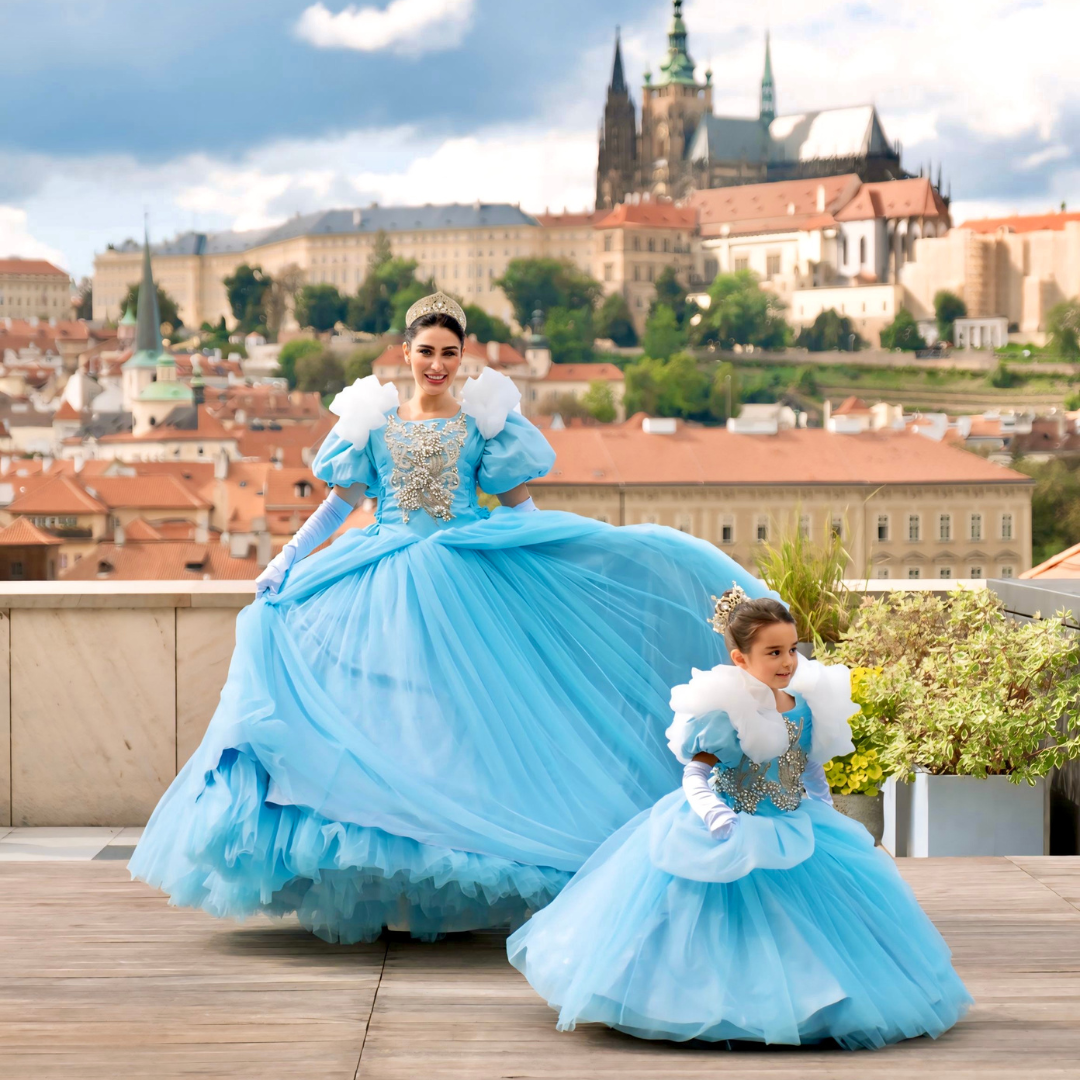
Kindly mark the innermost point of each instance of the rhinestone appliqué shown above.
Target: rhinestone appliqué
(747, 785)
(425, 458)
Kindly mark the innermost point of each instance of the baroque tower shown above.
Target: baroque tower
(671, 109)
(616, 173)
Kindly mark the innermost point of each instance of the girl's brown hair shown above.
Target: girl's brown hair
(749, 618)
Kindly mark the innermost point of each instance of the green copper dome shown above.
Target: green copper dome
(167, 391)
(678, 67)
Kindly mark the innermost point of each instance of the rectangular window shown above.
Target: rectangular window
(762, 530)
(1006, 527)
(608, 241)
(914, 572)
(836, 529)
(976, 527)
(637, 273)
(976, 572)
(882, 572)
(883, 527)
(772, 265)
(1006, 571)
(945, 526)
(727, 530)
(944, 572)
(742, 263)
(609, 272)
(913, 526)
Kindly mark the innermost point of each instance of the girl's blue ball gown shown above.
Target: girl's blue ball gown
(794, 930)
(438, 719)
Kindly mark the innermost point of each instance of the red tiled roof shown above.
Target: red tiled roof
(915, 197)
(650, 215)
(571, 221)
(57, 495)
(146, 492)
(783, 206)
(1022, 223)
(67, 411)
(291, 440)
(161, 560)
(583, 373)
(624, 454)
(141, 530)
(1065, 564)
(30, 266)
(851, 405)
(24, 533)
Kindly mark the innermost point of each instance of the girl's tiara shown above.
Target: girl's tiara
(724, 607)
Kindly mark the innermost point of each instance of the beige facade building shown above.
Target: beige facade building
(464, 248)
(34, 289)
(907, 507)
(570, 238)
(1017, 267)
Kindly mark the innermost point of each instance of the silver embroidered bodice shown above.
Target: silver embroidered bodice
(425, 459)
(748, 784)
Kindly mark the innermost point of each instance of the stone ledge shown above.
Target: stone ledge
(126, 594)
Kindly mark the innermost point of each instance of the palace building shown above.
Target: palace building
(679, 146)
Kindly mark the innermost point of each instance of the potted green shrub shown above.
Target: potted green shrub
(970, 712)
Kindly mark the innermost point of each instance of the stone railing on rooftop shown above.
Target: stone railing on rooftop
(107, 688)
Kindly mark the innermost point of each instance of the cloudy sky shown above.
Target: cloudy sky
(237, 113)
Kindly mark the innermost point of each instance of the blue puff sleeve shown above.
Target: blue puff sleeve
(340, 464)
(712, 733)
(517, 454)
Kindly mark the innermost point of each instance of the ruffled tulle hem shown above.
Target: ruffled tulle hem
(834, 947)
(235, 855)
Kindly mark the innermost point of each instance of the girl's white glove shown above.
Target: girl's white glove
(719, 818)
(526, 507)
(327, 519)
(814, 783)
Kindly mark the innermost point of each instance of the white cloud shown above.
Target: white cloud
(15, 238)
(1044, 157)
(413, 26)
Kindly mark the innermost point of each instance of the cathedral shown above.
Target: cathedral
(681, 147)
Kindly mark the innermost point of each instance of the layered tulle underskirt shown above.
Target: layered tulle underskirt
(433, 732)
(801, 931)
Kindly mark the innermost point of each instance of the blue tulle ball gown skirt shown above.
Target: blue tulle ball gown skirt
(433, 731)
(796, 930)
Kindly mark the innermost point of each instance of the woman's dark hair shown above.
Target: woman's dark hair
(436, 318)
(750, 617)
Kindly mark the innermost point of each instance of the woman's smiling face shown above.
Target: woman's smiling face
(434, 356)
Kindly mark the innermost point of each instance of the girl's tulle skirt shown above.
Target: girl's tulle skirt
(796, 930)
(433, 732)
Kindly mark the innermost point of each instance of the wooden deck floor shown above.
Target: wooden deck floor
(100, 979)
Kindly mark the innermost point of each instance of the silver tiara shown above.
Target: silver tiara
(436, 304)
(724, 607)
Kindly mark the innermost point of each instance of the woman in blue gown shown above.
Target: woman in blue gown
(432, 723)
(738, 907)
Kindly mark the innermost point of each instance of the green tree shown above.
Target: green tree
(614, 321)
(670, 293)
(724, 392)
(599, 399)
(543, 284)
(676, 387)
(570, 335)
(359, 363)
(290, 355)
(246, 289)
(486, 327)
(830, 330)
(1055, 506)
(321, 372)
(403, 298)
(1003, 377)
(663, 336)
(321, 307)
(1063, 328)
(167, 309)
(742, 313)
(387, 292)
(948, 307)
(85, 307)
(902, 333)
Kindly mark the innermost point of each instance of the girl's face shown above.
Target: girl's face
(434, 356)
(773, 655)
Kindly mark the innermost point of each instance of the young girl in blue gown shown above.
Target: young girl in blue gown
(743, 906)
(433, 722)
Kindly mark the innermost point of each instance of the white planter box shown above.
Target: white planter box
(963, 815)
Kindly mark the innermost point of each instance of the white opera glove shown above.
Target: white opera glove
(719, 818)
(526, 507)
(815, 784)
(327, 519)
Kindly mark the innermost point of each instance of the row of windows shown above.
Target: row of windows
(914, 573)
(975, 527)
(433, 237)
(666, 244)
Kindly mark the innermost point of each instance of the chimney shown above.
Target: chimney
(46, 465)
(221, 466)
(493, 352)
(262, 549)
(118, 536)
(821, 198)
(5, 464)
(202, 534)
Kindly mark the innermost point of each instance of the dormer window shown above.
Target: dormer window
(302, 489)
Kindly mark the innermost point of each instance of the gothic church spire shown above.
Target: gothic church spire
(768, 88)
(618, 79)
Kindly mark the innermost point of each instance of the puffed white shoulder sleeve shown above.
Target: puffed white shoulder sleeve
(489, 399)
(827, 691)
(362, 408)
(721, 705)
